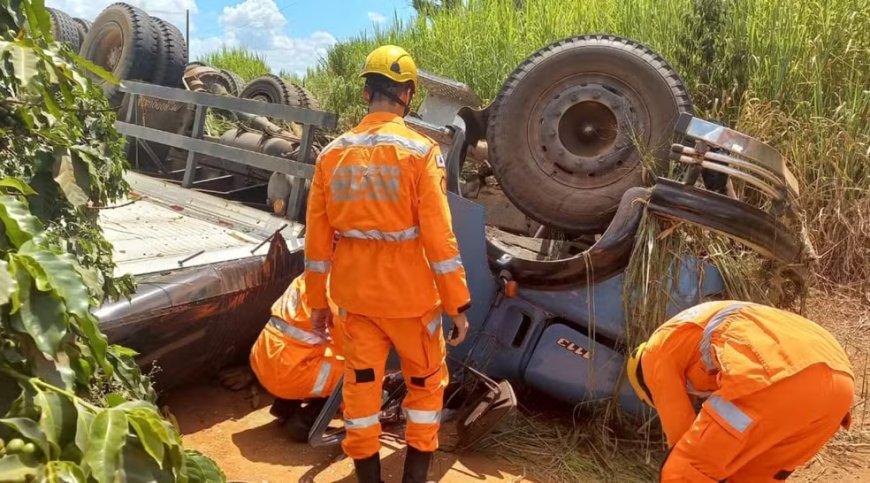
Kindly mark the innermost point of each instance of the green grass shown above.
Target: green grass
(796, 75)
(242, 61)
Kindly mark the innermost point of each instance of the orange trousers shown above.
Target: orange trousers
(419, 343)
(785, 426)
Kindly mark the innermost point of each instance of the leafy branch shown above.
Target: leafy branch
(73, 408)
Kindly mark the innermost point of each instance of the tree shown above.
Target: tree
(73, 408)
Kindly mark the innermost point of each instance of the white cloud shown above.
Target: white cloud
(258, 25)
(377, 17)
(172, 11)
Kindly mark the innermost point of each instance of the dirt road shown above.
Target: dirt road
(249, 446)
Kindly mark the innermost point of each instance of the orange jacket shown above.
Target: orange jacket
(383, 188)
(728, 350)
(292, 359)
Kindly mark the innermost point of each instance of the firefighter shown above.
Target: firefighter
(296, 361)
(395, 268)
(776, 387)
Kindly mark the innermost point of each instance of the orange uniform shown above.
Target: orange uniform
(777, 387)
(292, 359)
(383, 188)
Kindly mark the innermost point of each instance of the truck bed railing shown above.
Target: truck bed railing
(301, 169)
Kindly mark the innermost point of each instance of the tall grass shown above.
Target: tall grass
(247, 64)
(794, 74)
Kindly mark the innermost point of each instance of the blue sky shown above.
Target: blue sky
(291, 34)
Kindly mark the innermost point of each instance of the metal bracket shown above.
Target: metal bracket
(198, 126)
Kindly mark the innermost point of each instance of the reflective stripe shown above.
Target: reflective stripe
(322, 376)
(361, 423)
(691, 390)
(447, 266)
(368, 169)
(379, 139)
(295, 332)
(707, 338)
(319, 266)
(434, 324)
(732, 415)
(422, 417)
(393, 236)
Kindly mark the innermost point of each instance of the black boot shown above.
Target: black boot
(368, 470)
(416, 466)
(283, 409)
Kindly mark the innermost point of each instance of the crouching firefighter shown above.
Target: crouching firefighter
(395, 268)
(776, 386)
(298, 362)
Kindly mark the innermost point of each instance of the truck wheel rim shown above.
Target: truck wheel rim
(107, 51)
(585, 132)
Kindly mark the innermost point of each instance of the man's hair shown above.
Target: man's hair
(376, 84)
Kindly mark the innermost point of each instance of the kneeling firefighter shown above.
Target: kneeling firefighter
(776, 387)
(296, 361)
(396, 267)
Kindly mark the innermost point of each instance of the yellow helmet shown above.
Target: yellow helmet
(393, 63)
(635, 376)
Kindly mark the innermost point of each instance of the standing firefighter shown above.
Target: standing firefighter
(382, 187)
(777, 388)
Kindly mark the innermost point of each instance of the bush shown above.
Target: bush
(240, 60)
(72, 407)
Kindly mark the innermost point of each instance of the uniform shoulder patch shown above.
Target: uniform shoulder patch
(440, 161)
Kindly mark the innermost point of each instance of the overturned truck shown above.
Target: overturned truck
(547, 187)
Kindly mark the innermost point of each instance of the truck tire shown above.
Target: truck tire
(275, 90)
(83, 26)
(123, 41)
(171, 54)
(306, 98)
(234, 81)
(567, 129)
(64, 29)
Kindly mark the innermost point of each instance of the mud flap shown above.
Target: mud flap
(488, 406)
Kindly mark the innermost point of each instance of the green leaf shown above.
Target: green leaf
(105, 442)
(54, 370)
(17, 184)
(70, 181)
(56, 272)
(56, 419)
(8, 284)
(38, 15)
(202, 469)
(63, 472)
(43, 317)
(95, 69)
(13, 469)
(21, 225)
(115, 399)
(28, 429)
(152, 433)
(139, 465)
(96, 341)
(84, 420)
(25, 62)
